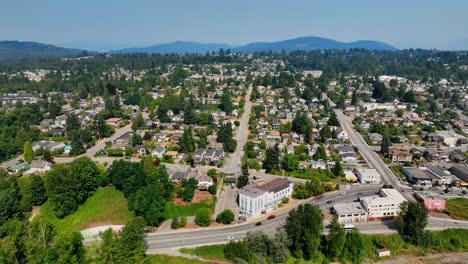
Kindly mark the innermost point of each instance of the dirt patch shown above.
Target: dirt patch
(35, 211)
(199, 196)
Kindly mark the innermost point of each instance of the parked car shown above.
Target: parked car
(258, 224)
(271, 217)
(329, 201)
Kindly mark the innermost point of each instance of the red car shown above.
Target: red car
(271, 217)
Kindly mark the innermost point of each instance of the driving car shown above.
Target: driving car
(329, 201)
(258, 223)
(271, 217)
(229, 237)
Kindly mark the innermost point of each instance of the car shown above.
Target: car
(258, 224)
(229, 238)
(359, 193)
(329, 201)
(271, 217)
(327, 226)
(342, 193)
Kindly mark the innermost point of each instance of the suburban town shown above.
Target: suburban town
(305, 150)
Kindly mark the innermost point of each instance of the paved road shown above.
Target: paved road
(163, 241)
(227, 197)
(369, 155)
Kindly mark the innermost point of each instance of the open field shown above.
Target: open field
(173, 210)
(106, 206)
(212, 252)
(457, 208)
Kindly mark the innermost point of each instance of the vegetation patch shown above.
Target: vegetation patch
(457, 208)
(106, 206)
(164, 259)
(212, 252)
(171, 210)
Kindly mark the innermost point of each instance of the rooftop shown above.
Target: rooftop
(349, 208)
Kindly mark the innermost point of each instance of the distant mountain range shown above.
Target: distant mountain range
(13, 50)
(304, 43)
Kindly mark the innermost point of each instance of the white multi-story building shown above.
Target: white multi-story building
(368, 175)
(257, 199)
(383, 206)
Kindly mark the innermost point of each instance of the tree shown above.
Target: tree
(243, 179)
(354, 247)
(46, 155)
(202, 217)
(69, 248)
(262, 144)
(333, 120)
(72, 124)
(290, 162)
(226, 103)
(175, 223)
(226, 217)
(271, 159)
(304, 227)
(138, 123)
(36, 190)
(131, 245)
(238, 250)
(338, 169)
(412, 222)
(335, 240)
(189, 114)
(187, 143)
(224, 136)
(385, 147)
(28, 152)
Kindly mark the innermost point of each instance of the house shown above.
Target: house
(23, 166)
(177, 176)
(400, 156)
(350, 176)
(140, 149)
(47, 144)
(345, 149)
(198, 156)
(418, 177)
(204, 181)
(341, 135)
(39, 166)
(431, 200)
(158, 151)
(319, 164)
(350, 212)
(348, 158)
(257, 199)
(386, 205)
(114, 121)
(67, 149)
(368, 175)
(275, 124)
(375, 138)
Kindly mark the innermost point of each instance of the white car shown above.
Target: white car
(229, 238)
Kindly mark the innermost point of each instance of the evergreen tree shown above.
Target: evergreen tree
(335, 240)
(187, 143)
(226, 103)
(28, 152)
(244, 177)
(72, 124)
(333, 120)
(271, 159)
(412, 223)
(385, 147)
(162, 113)
(189, 114)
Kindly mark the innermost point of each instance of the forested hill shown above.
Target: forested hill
(17, 50)
(303, 43)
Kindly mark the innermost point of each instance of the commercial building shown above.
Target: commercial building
(431, 200)
(443, 176)
(386, 205)
(257, 199)
(350, 212)
(461, 172)
(368, 175)
(418, 177)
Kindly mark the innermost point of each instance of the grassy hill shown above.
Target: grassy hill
(106, 206)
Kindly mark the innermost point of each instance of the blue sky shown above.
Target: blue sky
(104, 24)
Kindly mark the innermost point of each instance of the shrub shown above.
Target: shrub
(203, 218)
(175, 223)
(226, 217)
(212, 189)
(183, 221)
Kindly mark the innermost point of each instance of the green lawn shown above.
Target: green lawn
(457, 208)
(172, 210)
(106, 206)
(212, 252)
(211, 107)
(163, 259)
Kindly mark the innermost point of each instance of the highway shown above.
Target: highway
(161, 242)
(372, 158)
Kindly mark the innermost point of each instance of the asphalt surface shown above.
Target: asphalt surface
(369, 155)
(161, 242)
